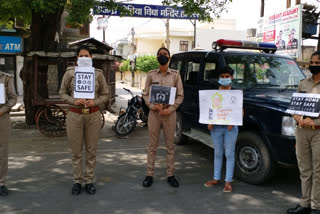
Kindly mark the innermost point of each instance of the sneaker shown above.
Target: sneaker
(227, 187)
(211, 183)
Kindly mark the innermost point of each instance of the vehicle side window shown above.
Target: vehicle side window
(192, 73)
(210, 71)
(238, 72)
(176, 64)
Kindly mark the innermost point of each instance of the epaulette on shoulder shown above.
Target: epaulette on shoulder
(149, 72)
(176, 71)
(6, 74)
(70, 68)
(99, 70)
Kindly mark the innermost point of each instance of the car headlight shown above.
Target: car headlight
(288, 126)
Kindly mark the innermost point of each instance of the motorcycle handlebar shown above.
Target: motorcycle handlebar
(129, 91)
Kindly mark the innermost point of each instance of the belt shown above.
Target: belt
(311, 127)
(84, 110)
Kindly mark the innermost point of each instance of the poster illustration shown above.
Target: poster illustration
(221, 107)
(162, 94)
(84, 82)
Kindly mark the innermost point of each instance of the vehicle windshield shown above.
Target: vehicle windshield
(264, 72)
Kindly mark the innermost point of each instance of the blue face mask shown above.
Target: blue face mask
(225, 81)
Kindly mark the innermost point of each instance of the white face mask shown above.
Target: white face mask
(84, 62)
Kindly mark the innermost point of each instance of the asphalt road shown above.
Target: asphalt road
(40, 179)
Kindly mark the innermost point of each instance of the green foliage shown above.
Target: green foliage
(146, 63)
(125, 65)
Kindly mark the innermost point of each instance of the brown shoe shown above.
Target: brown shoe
(211, 183)
(227, 187)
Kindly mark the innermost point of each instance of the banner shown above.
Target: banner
(304, 104)
(222, 107)
(162, 94)
(148, 11)
(284, 28)
(84, 82)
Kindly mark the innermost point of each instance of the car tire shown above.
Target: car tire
(253, 162)
(179, 138)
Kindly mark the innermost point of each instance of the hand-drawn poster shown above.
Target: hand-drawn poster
(162, 94)
(84, 82)
(221, 107)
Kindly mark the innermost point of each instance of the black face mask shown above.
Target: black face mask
(314, 69)
(163, 60)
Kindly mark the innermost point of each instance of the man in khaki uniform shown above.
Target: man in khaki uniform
(5, 127)
(83, 124)
(308, 146)
(162, 116)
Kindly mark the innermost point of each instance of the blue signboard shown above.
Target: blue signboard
(10, 44)
(148, 11)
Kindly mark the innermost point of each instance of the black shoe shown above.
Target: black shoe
(173, 181)
(299, 210)
(315, 212)
(90, 189)
(4, 191)
(76, 189)
(147, 181)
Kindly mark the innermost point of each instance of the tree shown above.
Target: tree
(43, 17)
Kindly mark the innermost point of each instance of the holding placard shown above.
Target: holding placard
(2, 94)
(162, 94)
(221, 107)
(84, 82)
(304, 104)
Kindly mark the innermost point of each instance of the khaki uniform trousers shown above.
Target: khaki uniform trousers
(5, 129)
(168, 124)
(83, 129)
(308, 156)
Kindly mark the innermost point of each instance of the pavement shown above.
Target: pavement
(40, 178)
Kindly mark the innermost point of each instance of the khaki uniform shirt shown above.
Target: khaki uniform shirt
(10, 92)
(171, 78)
(307, 86)
(67, 88)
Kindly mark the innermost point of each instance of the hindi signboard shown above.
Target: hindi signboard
(284, 28)
(2, 94)
(221, 107)
(162, 94)
(304, 104)
(84, 82)
(147, 11)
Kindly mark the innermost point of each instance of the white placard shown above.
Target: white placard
(162, 94)
(84, 82)
(221, 107)
(2, 94)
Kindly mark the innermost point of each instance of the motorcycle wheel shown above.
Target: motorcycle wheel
(125, 125)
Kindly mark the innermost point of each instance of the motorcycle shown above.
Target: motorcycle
(127, 120)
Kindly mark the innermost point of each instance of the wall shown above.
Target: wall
(175, 43)
(148, 46)
(139, 76)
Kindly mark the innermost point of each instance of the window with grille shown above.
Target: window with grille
(183, 45)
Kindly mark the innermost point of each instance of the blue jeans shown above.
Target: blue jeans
(223, 139)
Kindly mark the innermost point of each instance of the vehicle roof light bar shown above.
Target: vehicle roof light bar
(263, 46)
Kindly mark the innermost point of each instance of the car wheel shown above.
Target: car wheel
(179, 139)
(254, 164)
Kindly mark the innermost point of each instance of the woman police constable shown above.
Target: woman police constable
(162, 116)
(308, 146)
(10, 96)
(83, 122)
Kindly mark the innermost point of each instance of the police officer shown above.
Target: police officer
(308, 146)
(162, 116)
(10, 96)
(83, 122)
